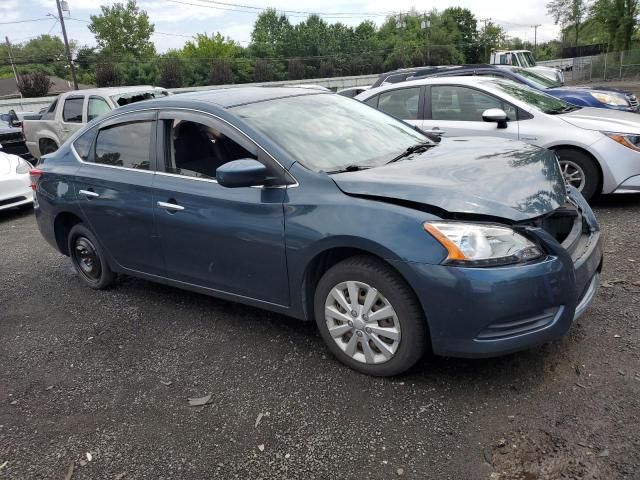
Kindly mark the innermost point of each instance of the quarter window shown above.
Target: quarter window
(464, 104)
(84, 143)
(194, 149)
(125, 145)
(372, 102)
(97, 106)
(72, 111)
(402, 103)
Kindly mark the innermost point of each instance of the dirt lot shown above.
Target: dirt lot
(109, 374)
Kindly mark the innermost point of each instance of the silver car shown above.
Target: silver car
(598, 149)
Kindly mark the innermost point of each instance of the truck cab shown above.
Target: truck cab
(72, 110)
(524, 59)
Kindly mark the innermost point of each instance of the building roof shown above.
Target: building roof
(8, 88)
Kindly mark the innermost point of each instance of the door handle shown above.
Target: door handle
(89, 193)
(171, 206)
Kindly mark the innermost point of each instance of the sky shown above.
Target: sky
(178, 20)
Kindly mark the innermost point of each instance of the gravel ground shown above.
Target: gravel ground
(109, 374)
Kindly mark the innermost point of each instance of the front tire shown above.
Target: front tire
(580, 171)
(369, 317)
(88, 258)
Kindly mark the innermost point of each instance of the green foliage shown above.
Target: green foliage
(123, 29)
(617, 20)
(108, 74)
(569, 12)
(171, 70)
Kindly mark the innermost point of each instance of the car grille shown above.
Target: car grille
(9, 201)
(633, 101)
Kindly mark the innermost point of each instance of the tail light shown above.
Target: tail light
(34, 175)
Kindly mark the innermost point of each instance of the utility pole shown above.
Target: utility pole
(535, 38)
(66, 46)
(486, 53)
(13, 67)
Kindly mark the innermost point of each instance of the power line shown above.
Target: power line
(25, 21)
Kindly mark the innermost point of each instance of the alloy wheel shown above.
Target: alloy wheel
(362, 322)
(573, 174)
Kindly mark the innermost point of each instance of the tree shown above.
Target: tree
(171, 71)
(491, 37)
(108, 74)
(263, 71)
(123, 29)
(467, 38)
(618, 19)
(221, 72)
(568, 12)
(296, 69)
(201, 53)
(35, 84)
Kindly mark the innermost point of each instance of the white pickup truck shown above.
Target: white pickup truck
(71, 110)
(524, 59)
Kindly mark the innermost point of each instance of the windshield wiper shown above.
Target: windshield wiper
(411, 150)
(350, 168)
(566, 109)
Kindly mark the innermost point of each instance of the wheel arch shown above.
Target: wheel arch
(327, 258)
(586, 152)
(42, 141)
(62, 225)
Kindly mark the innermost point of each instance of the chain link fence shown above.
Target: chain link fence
(621, 66)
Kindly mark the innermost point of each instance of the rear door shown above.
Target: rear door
(404, 103)
(456, 110)
(72, 117)
(226, 239)
(114, 188)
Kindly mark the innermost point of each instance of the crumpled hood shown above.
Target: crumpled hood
(603, 119)
(479, 175)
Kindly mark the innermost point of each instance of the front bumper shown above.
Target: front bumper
(484, 312)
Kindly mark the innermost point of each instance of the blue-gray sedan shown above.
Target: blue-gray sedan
(313, 205)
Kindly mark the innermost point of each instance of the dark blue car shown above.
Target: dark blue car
(599, 97)
(315, 206)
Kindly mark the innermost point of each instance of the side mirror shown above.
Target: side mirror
(241, 173)
(496, 115)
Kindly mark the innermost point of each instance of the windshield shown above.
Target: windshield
(327, 132)
(535, 98)
(530, 60)
(539, 81)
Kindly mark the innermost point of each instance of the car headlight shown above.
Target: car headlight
(23, 167)
(610, 99)
(482, 245)
(629, 140)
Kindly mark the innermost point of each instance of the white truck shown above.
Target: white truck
(524, 59)
(72, 110)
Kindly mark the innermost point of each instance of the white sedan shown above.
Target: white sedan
(15, 184)
(598, 149)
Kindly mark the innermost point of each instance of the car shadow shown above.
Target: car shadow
(622, 200)
(15, 213)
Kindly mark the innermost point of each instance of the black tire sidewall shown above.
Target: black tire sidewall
(49, 148)
(391, 285)
(592, 174)
(106, 275)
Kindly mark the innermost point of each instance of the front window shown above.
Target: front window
(539, 81)
(535, 98)
(196, 150)
(96, 107)
(529, 59)
(451, 102)
(328, 132)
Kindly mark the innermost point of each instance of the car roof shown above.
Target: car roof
(235, 96)
(108, 91)
(461, 80)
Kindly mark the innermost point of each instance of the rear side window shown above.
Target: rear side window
(372, 102)
(72, 111)
(84, 143)
(125, 145)
(401, 103)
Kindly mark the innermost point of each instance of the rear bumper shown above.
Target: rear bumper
(14, 193)
(485, 312)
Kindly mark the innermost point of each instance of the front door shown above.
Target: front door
(72, 118)
(225, 239)
(114, 189)
(456, 111)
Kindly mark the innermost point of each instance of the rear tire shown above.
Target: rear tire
(386, 345)
(88, 258)
(580, 171)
